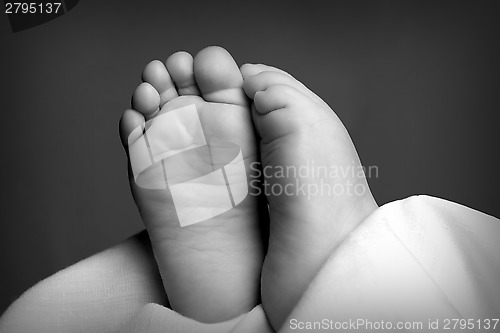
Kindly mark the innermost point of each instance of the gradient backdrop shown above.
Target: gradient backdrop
(417, 85)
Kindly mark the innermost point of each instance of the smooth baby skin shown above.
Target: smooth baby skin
(315, 200)
(211, 269)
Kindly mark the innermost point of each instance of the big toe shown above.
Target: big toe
(274, 76)
(218, 77)
(282, 105)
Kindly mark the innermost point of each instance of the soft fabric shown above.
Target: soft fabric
(419, 260)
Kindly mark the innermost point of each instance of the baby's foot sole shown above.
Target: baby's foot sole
(211, 268)
(314, 182)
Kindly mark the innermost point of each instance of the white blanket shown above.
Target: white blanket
(423, 264)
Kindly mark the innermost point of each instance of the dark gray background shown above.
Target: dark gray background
(416, 84)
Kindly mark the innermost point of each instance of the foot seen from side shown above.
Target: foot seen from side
(313, 181)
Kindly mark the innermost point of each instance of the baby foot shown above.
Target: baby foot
(189, 139)
(313, 180)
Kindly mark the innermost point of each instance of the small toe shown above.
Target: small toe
(146, 100)
(129, 121)
(254, 69)
(180, 67)
(266, 78)
(157, 75)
